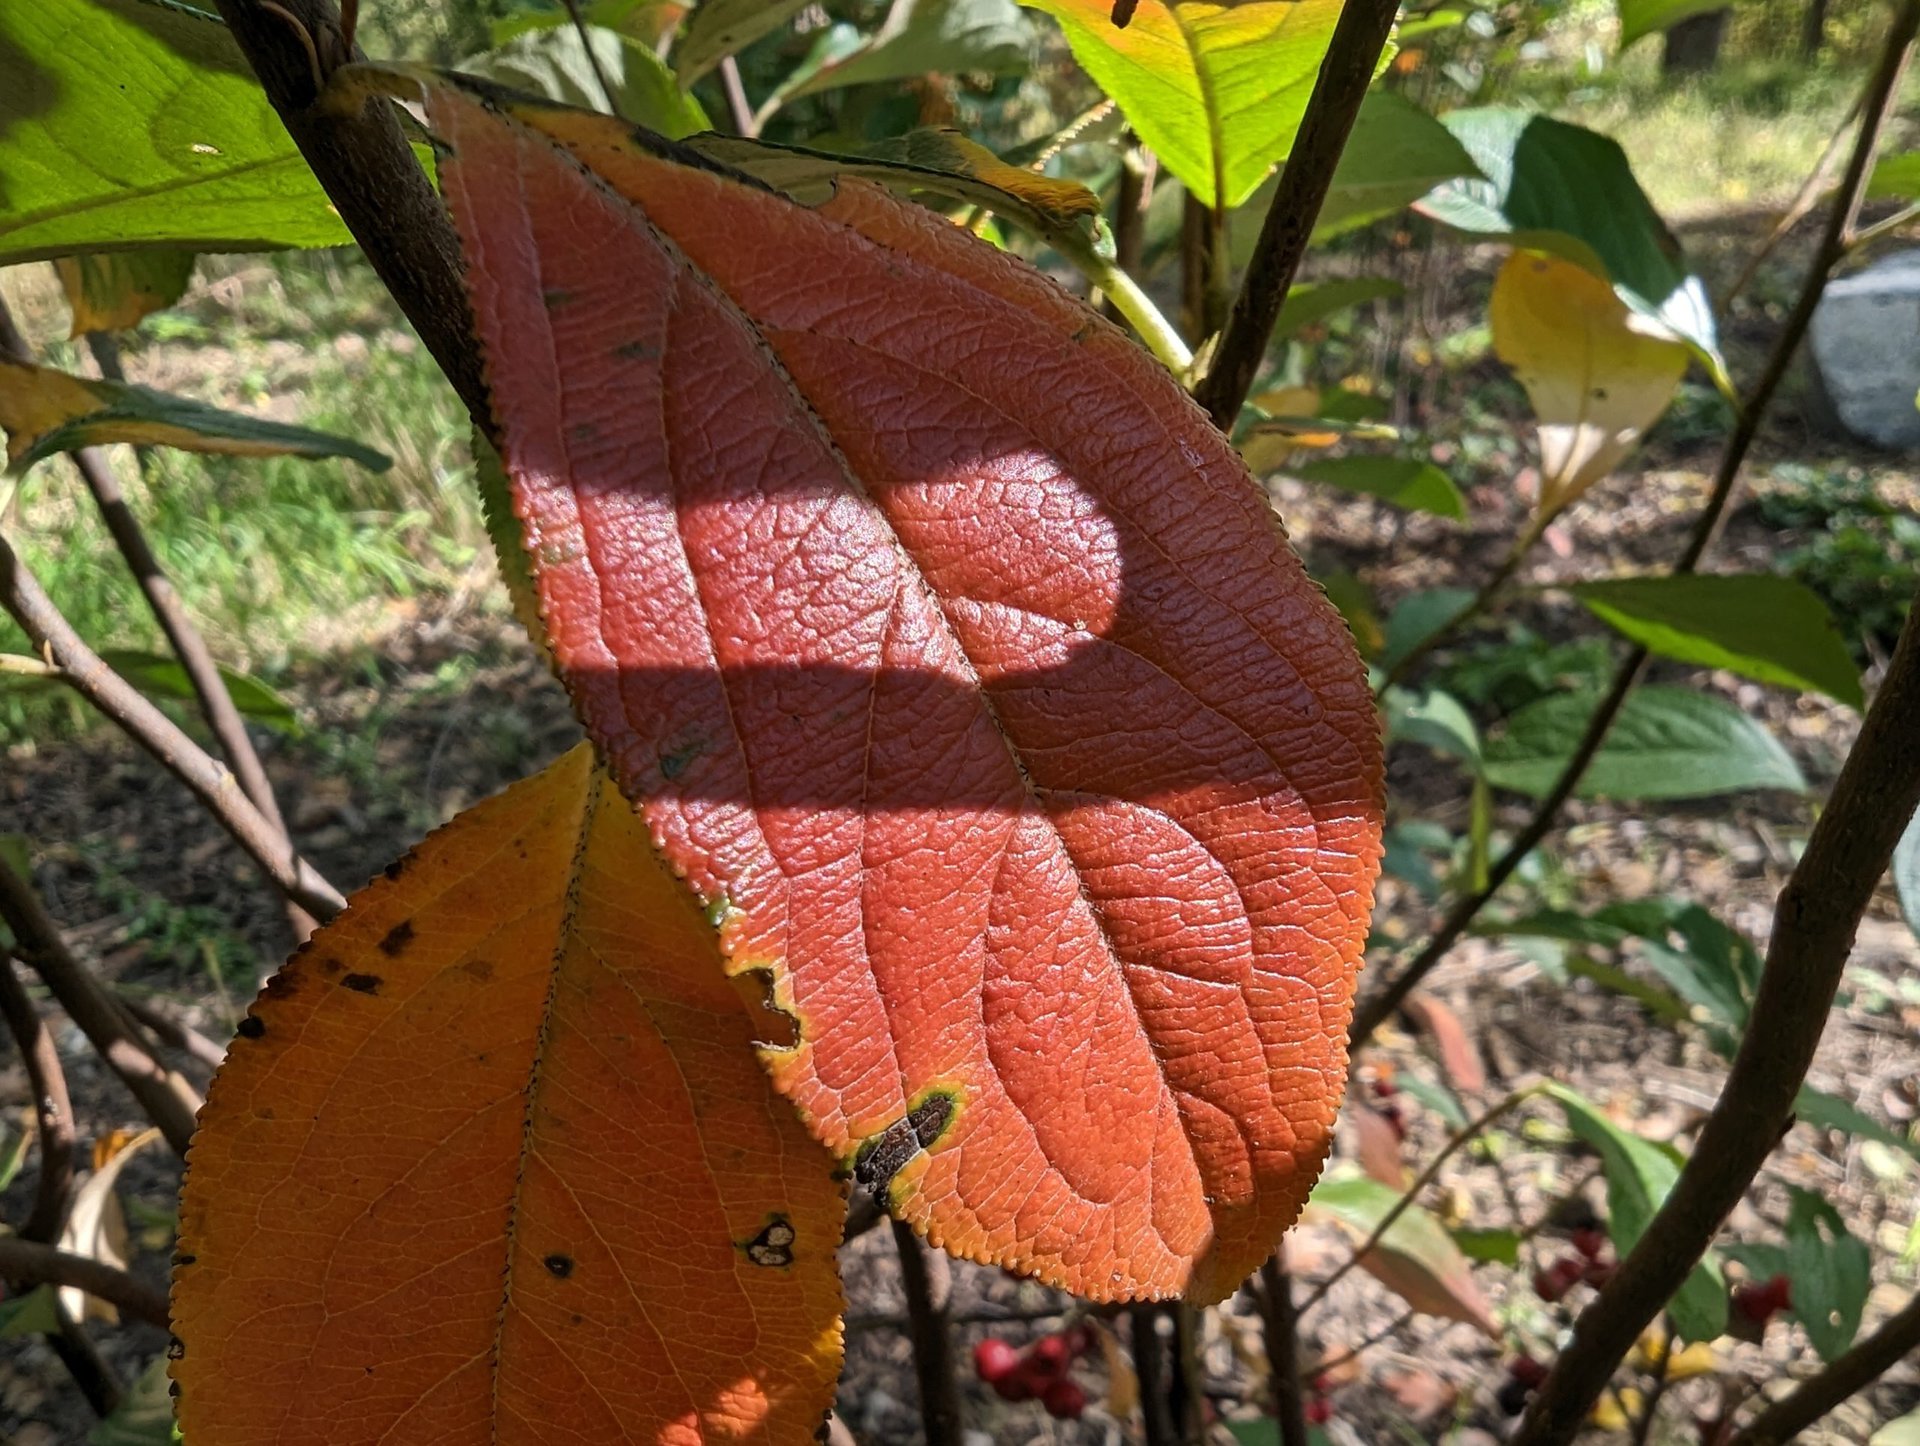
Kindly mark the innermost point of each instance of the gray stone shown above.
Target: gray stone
(1866, 351)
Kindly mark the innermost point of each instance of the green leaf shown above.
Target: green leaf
(1315, 301)
(632, 18)
(1404, 481)
(144, 1417)
(32, 1314)
(1492, 1246)
(719, 28)
(921, 36)
(553, 62)
(1647, 17)
(1416, 1259)
(1831, 1273)
(159, 676)
(1419, 616)
(1434, 719)
(1895, 177)
(114, 290)
(1351, 596)
(1830, 1112)
(1771, 629)
(1217, 91)
(1906, 874)
(130, 123)
(1639, 1174)
(1666, 743)
(1562, 188)
(1709, 965)
(1396, 154)
(45, 411)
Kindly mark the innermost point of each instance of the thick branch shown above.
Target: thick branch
(52, 1106)
(1280, 1328)
(1813, 928)
(1897, 1338)
(927, 1282)
(169, 1100)
(1345, 74)
(369, 172)
(82, 669)
(31, 1262)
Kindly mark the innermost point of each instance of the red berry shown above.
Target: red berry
(1385, 1089)
(1322, 1384)
(1554, 1282)
(1780, 1289)
(1396, 1121)
(1064, 1398)
(1526, 1370)
(1319, 1411)
(1590, 1241)
(994, 1360)
(1756, 1303)
(1598, 1273)
(1050, 1356)
(1016, 1386)
(1079, 1339)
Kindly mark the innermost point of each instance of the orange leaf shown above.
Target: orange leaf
(961, 664)
(491, 1160)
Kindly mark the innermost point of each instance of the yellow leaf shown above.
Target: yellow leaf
(1597, 375)
(114, 290)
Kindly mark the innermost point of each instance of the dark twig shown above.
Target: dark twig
(1897, 1338)
(81, 668)
(1813, 929)
(1281, 1328)
(52, 1107)
(1152, 1365)
(927, 1281)
(203, 674)
(593, 59)
(1345, 74)
(1367, 1343)
(1834, 241)
(31, 1261)
(169, 1100)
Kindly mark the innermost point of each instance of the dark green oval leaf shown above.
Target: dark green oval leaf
(1403, 481)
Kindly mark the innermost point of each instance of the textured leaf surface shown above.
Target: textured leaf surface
(956, 657)
(1217, 90)
(137, 123)
(491, 1161)
(1597, 380)
(44, 411)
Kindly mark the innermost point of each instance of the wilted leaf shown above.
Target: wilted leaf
(938, 162)
(1568, 190)
(113, 291)
(493, 1150)
(1377, 1146)
(553, 61)
(191, 155)
(1596, 378)
(1216, 90)
(1666, 743)
(1416, 1259)
(1458, 1056)
(45, 411)
(1639, 1174)
(961, 665)
(1404, 481)
(719, 28)
(96, 1226)
(1772, 629)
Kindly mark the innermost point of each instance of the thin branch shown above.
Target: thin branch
(82, 669)
(170, 1102)
(1281, 1329)
(1345, 74)
(745, 119)
(593, 59)
(926, 1280)
(1897, 1338)
(1411, 1194)
(52, 1107)
(1368, 1343)
(1489, 591)
(173, 1033)
(196, 659)
(1151, 1364)
(1129, 217)
(1867, 235)
(31, 1261)
(1814, 923)
(1803, 201)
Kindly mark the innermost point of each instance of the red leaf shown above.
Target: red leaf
(959, 663)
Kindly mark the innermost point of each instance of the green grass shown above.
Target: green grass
(273, 555)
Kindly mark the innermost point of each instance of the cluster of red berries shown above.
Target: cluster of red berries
(1040, 1372)
(1524, 1375)
(1319, 1406)
(1387, 1106)
(1589, 1265)
(1760, 1303)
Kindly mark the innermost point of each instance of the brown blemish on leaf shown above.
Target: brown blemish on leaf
(364, 983)
(250, 1027)
(773, 1246)
(479, 970)
(559, 1266)
(397, 939)
(883, 1156)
